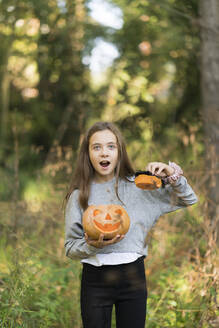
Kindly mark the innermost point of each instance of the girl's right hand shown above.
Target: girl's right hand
(100, 243)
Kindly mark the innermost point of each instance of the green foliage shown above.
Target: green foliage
(49, 98)
(39, 287)
(36, 294)
(159, 44)
(152, 91)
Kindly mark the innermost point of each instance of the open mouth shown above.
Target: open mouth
(104, 163)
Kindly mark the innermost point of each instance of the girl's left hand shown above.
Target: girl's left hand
(100, 243)
(160, 169)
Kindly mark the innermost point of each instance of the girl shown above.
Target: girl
(113, 270)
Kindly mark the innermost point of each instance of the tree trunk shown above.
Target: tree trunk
(75, 22)
(209, 18)
(5, 88)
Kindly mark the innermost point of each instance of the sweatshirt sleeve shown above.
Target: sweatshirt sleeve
(177, 195)
(75, 243)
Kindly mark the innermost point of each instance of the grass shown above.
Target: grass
(40, 287)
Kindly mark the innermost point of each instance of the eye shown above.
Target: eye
(111, 146)
(118, 211)
(96, 147)
(96, 212)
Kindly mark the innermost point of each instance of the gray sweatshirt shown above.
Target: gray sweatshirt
(143, 206)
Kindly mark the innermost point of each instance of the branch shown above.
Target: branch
(193, 20)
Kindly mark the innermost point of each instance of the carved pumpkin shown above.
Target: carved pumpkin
(110, 220)
(145, 180)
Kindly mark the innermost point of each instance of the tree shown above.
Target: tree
(154, 84)
(209, 19)
(44, 86)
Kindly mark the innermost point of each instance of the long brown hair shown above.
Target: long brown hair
(84, 171)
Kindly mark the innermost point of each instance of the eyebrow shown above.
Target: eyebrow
(108, 143)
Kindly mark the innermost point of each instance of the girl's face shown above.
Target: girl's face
(103, 153)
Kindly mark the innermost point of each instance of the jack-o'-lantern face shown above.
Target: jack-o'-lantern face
(109, 220)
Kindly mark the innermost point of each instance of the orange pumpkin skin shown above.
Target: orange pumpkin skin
(148, 182)
(109, 220)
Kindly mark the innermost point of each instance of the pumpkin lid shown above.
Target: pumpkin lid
(152, 183)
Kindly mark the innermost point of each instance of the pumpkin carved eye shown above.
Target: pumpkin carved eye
(118, 211)
(96, 212)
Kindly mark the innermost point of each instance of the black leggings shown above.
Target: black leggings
(123, 285)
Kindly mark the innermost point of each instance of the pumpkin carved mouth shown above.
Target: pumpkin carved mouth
(107, 227)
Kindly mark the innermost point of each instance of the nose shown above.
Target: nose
(104, 152)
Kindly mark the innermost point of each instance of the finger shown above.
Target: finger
(86, 238)
(161, 175)
(153, 167)
(100, 240)
(90, 241)
(116, 239)
(120, 238)
(109, 242)
(149, 166)
(170, 170)
(160, 169)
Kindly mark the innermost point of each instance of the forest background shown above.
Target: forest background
(162, 91)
